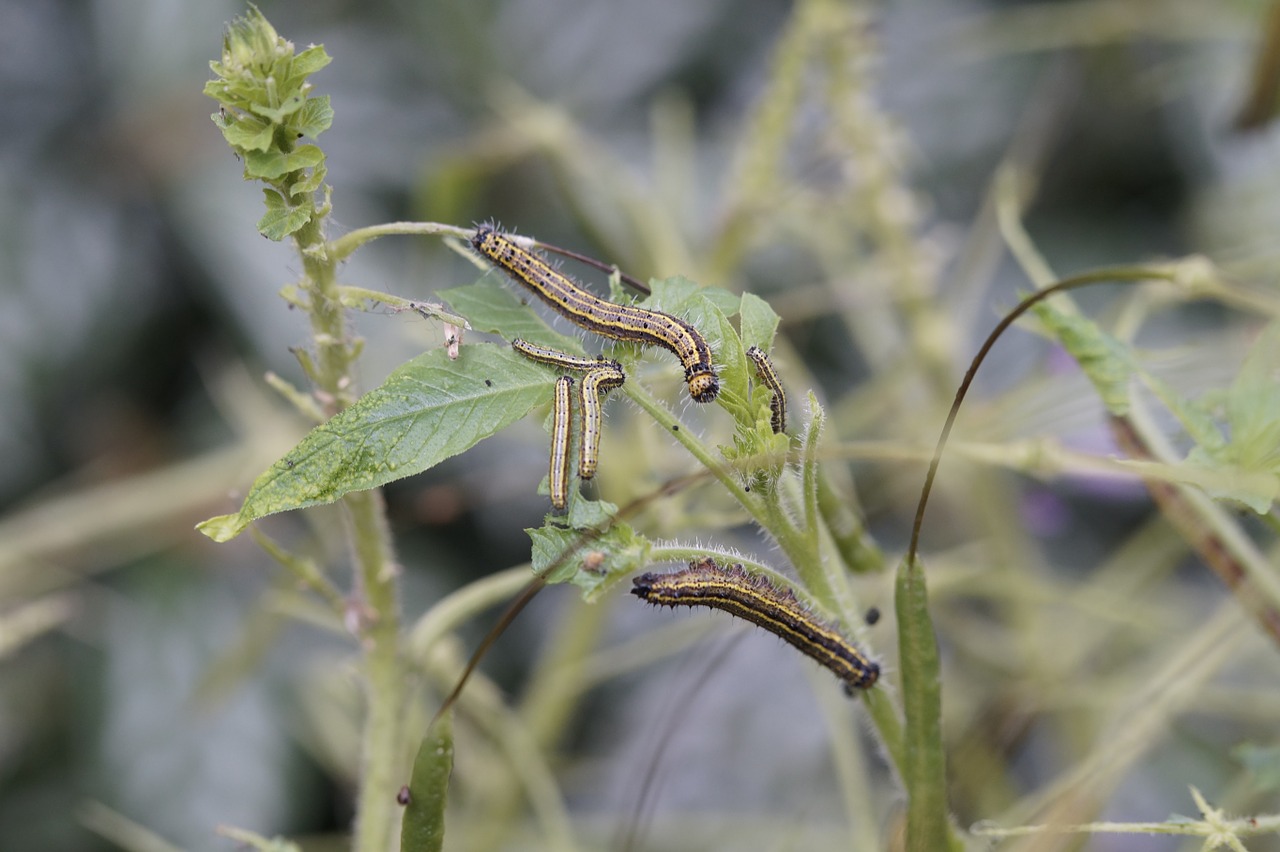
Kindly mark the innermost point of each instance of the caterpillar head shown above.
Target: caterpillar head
(703, 384)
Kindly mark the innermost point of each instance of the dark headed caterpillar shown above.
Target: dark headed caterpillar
(768, 375)
(755, 598)
(619, 322)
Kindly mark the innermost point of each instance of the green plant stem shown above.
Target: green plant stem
(672, 425)
(811, 570)
(341, 248)
(923, 758)
(855, 548)
(452, 610)
(679, 553)
(884, 714)
(384, 674)
(800, 548)
(375, 569)
(768, 515)
(549, 705)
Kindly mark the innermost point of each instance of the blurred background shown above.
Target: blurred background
(151, 681)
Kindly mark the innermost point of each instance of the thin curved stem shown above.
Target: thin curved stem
(1118, 274)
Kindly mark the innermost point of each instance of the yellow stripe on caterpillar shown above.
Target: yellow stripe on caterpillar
(558, 478)
(619, 322)
(599, 380)
(757, 599)
(778, 400)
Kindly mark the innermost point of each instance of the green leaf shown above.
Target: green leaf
(759, 322)
(278, 114)
(591, 561)
(307, 63)
(281, 218)
(427, 410)
(245, 132)
(492, 307)
(1108, 364)
(584, 514)
(309, 184)
(1263, 763)
(315, 117)
(1253, 406)
(924, 761)
(270, 165)
(1196, 416)
(1248, 463)
(423, 827)
(704, 309)
(668, 293)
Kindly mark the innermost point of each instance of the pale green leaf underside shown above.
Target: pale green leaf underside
(1107, 362)
(493, 307)
(759, 322)
(428, 410)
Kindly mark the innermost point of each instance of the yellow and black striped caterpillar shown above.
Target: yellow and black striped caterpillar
(757, 599)
(620, 322)
(778, 400)
(558, 478)
(601, 376)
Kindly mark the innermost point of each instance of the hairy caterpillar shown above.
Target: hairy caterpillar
(756, 599)
(768, 375)
(556, 358)
(620, 322)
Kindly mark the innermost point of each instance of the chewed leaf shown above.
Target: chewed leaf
(591, 562)
(668, 293)
(1107, 363)
(428, 410)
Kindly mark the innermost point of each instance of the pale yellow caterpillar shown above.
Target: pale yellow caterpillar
(558, 478)
(602, 376)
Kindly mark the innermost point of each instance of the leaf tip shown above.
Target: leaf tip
(223, 527)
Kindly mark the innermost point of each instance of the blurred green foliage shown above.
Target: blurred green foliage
(838, 160)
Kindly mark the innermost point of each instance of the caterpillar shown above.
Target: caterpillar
(602, 376)
(778, 400)
(619, 322)
(556, 358)
(598, 380)
(558, 478)
(757, 599)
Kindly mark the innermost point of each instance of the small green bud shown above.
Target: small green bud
(252, 46)
(262, 89)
